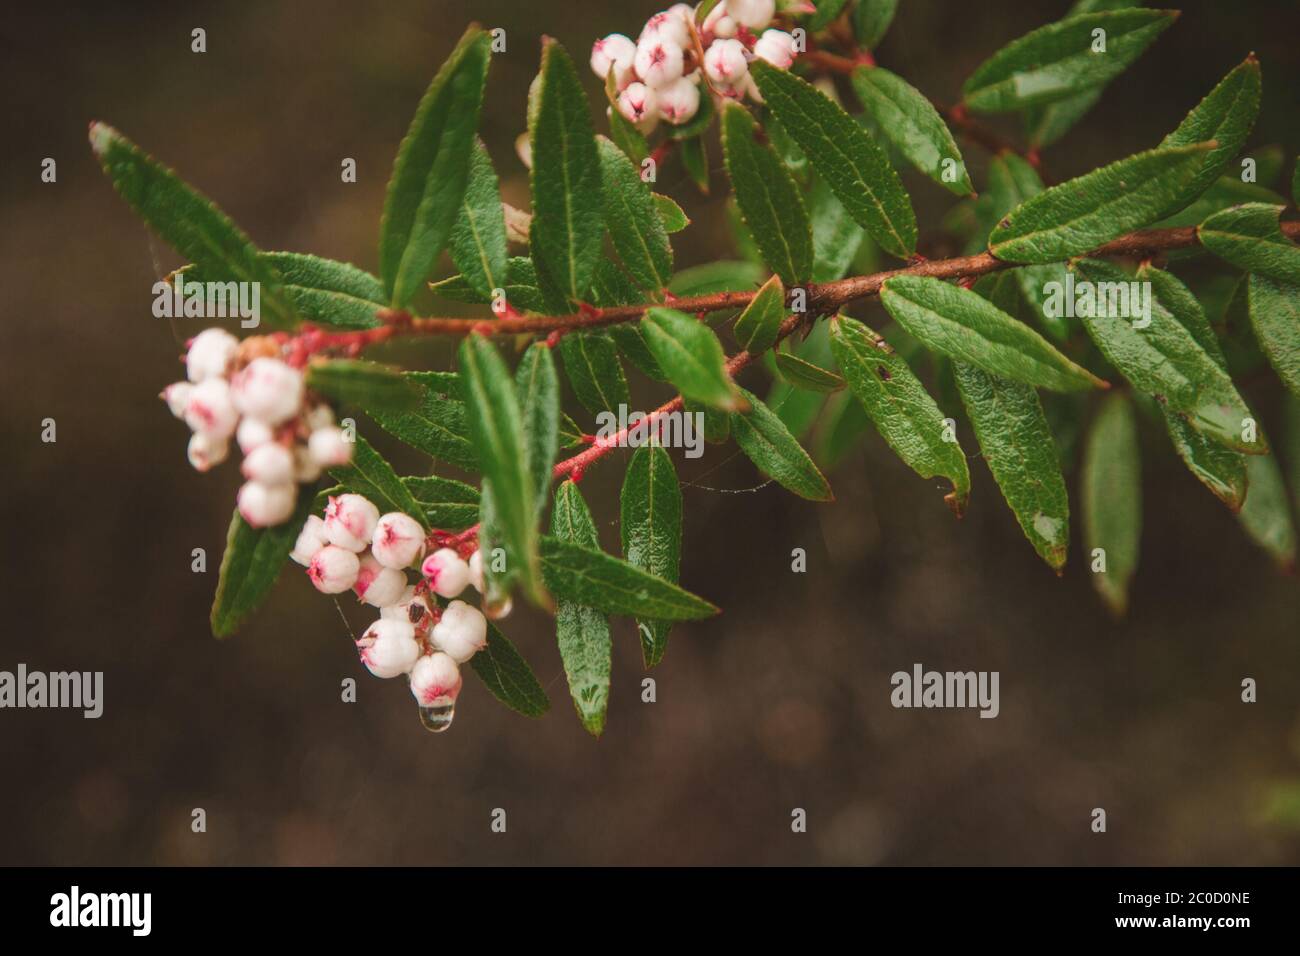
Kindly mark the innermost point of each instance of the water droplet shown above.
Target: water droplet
(438, 718)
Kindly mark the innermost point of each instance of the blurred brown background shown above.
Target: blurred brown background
(781, 702)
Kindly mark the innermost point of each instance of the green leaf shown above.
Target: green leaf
(582, 632)
(839, 430)
(717, 424)
(1249, 237)
(1225, 191)
(1058, 60)
(913, 125)
(806, 375)
(538, 388)
(568, 226)
(765, 440)
(633, 220)
(368, 385)
(478, 237)
(1266, 515)
(591, 363)
(845, 156)
(651, 523)
(836, 237)
(723, 276)
(769, 201)
(871, 18)
(670, 214)
(447, 504)
(1164, 359)
(371, 475)
(323, 290)
(497, 429)
(1112, 500)
(827, 11)
(1225, 117)
(1083, 213)
(508, 677)
(695, 160)
(602, 581)
(903, 412)
(437, 426)
(571, 436)
(522, 288)
(1275, 318)
(632, 343)
(960, 323)
(1216, 466)
(250, 566)
(432, 169)
(758, 325)
(1018, 447)
(190, 222)
(691, 356)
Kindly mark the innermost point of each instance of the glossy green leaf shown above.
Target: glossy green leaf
(1059, 60)
(836, 237)
(769, 201)
(1266, 515)
(609, 584)
(1225, 116)
(962, 324)
(806, 375)
(366, 384)
(758, 325)
(902, 410)
(871, 18)
(250, 566)
(538, 387)
(447, 504)
(633, 220)
(651, 525)
(506, 674)
(844, 155)
(582, 632)
(370, 474)
(1249, 237)
(691, 356)
(766, 441)
(592, 366)
(670, 214)
(432, 169)
(1112, 500)
(1275, 318)
(1219, 468)
(1018, 447)
(568, 225)
(190, 222)
(478, 237)
(1083, 213)
(914, 126)
(437, 426)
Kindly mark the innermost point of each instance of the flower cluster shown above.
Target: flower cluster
(245, 391)
(356, 548)
(659, 76)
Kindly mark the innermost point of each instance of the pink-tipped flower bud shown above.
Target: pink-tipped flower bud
(638, 103)
(350, 521)
(398, 541)
(616, 52)
(329, 446)
(268, 390)
(435, 680)
(252, 433)
(679, 101)
(210, 411)
(263, 505)
(725, 63)
(446, 572)
(476, 571)
(752, 14)
(210, 354)
(719, 23)
(270, 463)
(388, 648)
(205, 453)
(671, 26)
(411, 607)
(776, 47)
(310, 540)
(333, 569)
(177, 396)
(461, 631)
(658, 62)
(377, 585)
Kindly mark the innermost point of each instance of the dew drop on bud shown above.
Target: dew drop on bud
(438, 718)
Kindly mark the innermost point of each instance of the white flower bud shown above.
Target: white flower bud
(476, 571)
(524, 150)
(329, 446)
(461, 631)
(388, 648)
(753, 14)
(615, 52)
(310, 540)
(679, 101)
(268, 390)
(333, 569)
(205, 452)
(210, 354)
(658, 62)
(398, 541)
(377, 585)
(306, 469)
(318, 416)
(177, 396)
(411, 607)
(350, 521)
(725, 63)
(499, 610)
(670, 26)
(776, 47)
(263, 505)
(638, 103)
(719, 23)
(270, 463)
(252, 433)
(210, 411)
(446, 572)
(435, 679)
